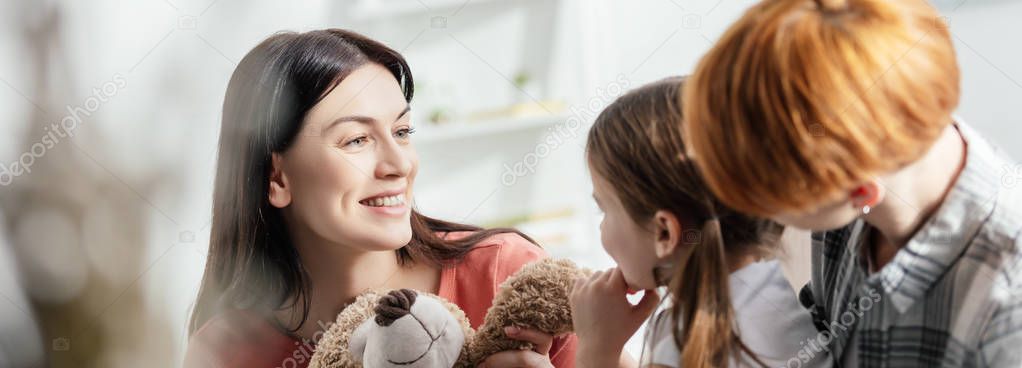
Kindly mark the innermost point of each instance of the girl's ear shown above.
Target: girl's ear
(667, 233)
(280, 191)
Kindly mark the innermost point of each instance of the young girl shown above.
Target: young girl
(312, 205)
(662, 228)
(837, 116)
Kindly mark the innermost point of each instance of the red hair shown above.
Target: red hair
(801, 101)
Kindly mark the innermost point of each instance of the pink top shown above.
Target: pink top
(244, 339)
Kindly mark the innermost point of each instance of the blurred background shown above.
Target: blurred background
(111, 111)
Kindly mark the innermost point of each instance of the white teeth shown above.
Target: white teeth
(390, 201)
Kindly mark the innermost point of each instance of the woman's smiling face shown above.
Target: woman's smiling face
(347, 178)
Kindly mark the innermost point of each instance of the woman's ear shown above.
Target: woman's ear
(280, 191)
(870, 194)
(667, 233)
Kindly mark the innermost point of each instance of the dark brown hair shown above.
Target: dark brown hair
(636, 141)
(252, 263)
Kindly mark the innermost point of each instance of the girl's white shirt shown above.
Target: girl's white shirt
(770, 322)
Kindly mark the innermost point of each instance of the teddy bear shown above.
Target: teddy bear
(413, 329)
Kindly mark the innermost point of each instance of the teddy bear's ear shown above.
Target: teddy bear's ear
(359, 338)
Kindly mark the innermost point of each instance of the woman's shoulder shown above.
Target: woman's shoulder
(502, 254)
(473, 281)
(236, 338)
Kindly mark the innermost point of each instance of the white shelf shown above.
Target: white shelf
(455, 131)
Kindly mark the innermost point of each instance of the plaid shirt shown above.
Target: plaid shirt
(952, 296)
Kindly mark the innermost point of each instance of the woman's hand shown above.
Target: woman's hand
(538, 357)
(604, 320)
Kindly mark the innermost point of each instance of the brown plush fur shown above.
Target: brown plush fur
(332, 348)
(535, 297)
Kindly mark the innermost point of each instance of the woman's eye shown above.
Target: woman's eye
(357, 141)
(404, 133)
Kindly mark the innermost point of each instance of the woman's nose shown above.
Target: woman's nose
(394, 160)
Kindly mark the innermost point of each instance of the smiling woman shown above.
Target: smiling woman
(313, 204)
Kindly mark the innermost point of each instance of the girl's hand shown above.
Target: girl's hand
(538, 357)
(603, 317)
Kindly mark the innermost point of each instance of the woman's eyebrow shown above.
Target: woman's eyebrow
(362, 119)
(403, 112)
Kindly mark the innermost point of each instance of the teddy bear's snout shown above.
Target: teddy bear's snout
(394, 305)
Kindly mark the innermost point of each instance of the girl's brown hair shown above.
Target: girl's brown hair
(808, 99)
(252, 263)
(636, 145)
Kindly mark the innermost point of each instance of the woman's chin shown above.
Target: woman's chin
(392, 238)
(374, 236)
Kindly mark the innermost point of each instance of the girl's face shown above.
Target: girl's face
(629, 244)
(347, 179)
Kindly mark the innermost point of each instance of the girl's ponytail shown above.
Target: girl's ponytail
(703, 301)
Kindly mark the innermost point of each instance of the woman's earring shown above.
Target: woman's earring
(866, 209)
